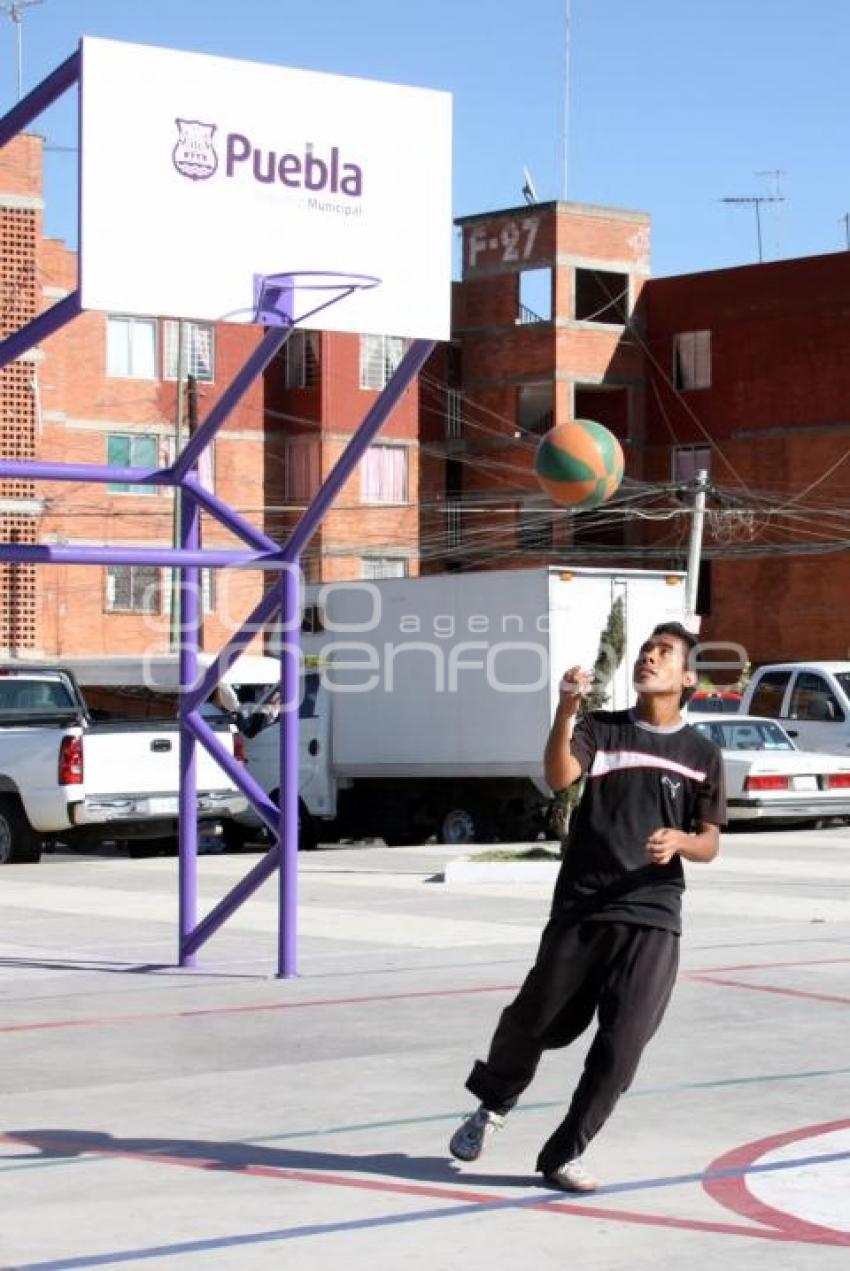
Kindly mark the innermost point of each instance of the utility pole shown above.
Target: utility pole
(756, 201)
(568, 37)
(699, 489)
(15, 10)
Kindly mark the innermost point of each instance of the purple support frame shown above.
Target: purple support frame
(264, 553)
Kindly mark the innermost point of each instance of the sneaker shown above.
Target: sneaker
(572, 1177)
(467, 1143)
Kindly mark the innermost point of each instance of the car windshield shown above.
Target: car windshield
(746, 735)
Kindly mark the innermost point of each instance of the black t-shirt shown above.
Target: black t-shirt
(638, 778)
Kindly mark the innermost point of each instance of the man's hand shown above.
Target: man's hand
(575, 685)
(662, 845)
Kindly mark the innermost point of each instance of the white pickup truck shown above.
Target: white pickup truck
(65, 776)
(811, 700)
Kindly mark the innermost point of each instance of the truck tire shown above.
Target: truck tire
(461, 825)
(20, 844)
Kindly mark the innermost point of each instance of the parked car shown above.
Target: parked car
(811, 700)
(65, 776)
(715, 700)
(769, 779)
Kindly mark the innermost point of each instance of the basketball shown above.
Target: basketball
(579, 464)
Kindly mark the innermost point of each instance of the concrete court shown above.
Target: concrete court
(221, 1118)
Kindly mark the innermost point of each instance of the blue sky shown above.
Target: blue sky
(674, 104)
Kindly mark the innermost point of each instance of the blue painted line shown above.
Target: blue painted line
(263, 1237)
(424, 1215)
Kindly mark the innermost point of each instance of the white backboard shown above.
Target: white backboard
(210, 187)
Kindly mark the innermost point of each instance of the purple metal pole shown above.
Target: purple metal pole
(49, 553)
(376, 417)
(272, 341)
(40, 97)
(227, 517)
(238, 773)
(190, 611)
(43, 325)
(374, 420)
(290, 696)
(45, 470)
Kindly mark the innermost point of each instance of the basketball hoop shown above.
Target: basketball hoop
(275, 295)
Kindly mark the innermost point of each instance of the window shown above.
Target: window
(535, 296)
(379, 359)
(131, 450)
(208, 590)
(692, 359)
(814, 700)
(768, 695)
(131, 348)
(300, 357)
(535, 408)
(384, 474)
(534, 527)
(133, 589)
(383, 567)
(198, 350)
(688, 461)
(601, 296)
(300, 471)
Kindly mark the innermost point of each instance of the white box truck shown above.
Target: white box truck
(428, 700)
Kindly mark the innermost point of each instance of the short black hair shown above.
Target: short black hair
(689, 640)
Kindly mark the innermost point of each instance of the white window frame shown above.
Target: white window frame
(124, 487)
(692, 360)
(366, 496)
(375, 567)
(192, 363)
(380, 356)
(110, 588)
(130, 321)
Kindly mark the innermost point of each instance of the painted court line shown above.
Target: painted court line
(366, 1127)
(836, 999)
(470, 1202)
(364, 999)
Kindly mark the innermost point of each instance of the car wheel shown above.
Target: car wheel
(20, 844)
(237, 837)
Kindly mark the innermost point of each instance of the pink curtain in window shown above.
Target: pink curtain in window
(385, 474)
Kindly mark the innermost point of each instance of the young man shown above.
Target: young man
(653, 797)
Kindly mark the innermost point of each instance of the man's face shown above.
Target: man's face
(662, 666)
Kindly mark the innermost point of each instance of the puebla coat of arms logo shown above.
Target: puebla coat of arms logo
(194, 155)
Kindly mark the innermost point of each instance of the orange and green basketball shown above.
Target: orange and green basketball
(579, 464)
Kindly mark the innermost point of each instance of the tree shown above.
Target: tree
(612, 646)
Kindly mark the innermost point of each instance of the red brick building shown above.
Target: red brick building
(539, 335)
(747, 375)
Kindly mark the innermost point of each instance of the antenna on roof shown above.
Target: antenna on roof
(529, 191)
(15, 10)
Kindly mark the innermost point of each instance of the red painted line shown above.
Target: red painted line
(772, 988)
(765, 966)
(733, 1192)
(779, 1234)
(99, 1020)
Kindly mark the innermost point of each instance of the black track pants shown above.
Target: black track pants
(623, 972)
